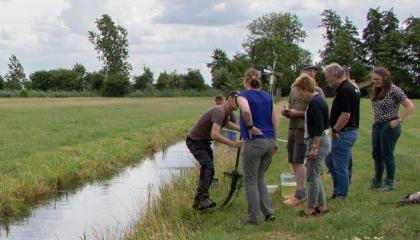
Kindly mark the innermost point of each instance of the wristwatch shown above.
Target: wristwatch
(314, 145)
(250, 127)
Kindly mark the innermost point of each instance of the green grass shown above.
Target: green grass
(358, 217)
(49, 145)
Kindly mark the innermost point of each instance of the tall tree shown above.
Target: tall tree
(111, 44)
(276, 36)
(332, 23)
(219, 59)
(163, 81)
(144, 80)
(15, 77)
(342, 50)
(193, 80)
(1, 82)
(80, 83)
(412, 49)
(372, 35)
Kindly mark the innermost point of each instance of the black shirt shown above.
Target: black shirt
(347, 99)
(317, 116)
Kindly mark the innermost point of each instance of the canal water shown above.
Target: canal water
(105, 208)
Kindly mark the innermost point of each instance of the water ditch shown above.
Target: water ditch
(103, 208)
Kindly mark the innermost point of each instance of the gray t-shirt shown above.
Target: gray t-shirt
(202, 129)
(387, 108)
(298, 103)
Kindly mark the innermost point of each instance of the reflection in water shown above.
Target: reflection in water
(102, 208)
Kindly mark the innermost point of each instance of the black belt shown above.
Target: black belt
(346, 129)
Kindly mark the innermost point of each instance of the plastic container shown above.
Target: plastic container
(287, 184)
(272, 188)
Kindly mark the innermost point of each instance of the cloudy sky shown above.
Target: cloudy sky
(163, 34)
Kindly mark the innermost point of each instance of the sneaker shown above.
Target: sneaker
(248, 222)
(387, 188)
(293, 201)
(375, 184)
(270, 218)
(204, 204)
(388, 185)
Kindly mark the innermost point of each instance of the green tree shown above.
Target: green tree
(342, 50)
(94, 81)
(372, 35)
(343, 44)
(194, 80)
(80, 83)
(1, 82)
(177, 80)
(412, 49)
(111, 44)
(15, 77)
(144, 80)
(276, 35)
(163, 81)
(219, 59)
(332, 23)
(236, 67)
(221, 77)
(115, 86)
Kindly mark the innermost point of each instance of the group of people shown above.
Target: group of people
(310, 140)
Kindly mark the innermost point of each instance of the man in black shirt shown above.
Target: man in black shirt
(344, 121)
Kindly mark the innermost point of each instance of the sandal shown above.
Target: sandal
(302, 213)
(322, 212)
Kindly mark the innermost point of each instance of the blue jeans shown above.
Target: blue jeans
(337, 161)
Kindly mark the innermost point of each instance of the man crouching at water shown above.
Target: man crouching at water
(209, 127)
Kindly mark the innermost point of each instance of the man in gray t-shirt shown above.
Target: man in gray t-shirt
(209, 128)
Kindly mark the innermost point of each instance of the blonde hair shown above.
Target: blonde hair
(253, 78)
(305, 83)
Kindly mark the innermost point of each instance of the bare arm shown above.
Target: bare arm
(313, 153)
(247, 115)
(217, 136)
(233, 126)
(408, 108)
(275, 121)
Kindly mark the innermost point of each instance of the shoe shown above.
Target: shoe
(375, 184)
(270, 218)
(204, 204)
(293, 201)
(336, 197)
(388, 185)
(322, 212)
(303, 213)
(248, 222)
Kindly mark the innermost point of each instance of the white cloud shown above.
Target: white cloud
(219, 6)
(5, 34)
(80, 15)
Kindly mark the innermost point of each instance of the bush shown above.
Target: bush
(24, 93)
(116, 85)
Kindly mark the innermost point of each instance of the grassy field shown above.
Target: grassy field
(49, 145)
(360, 216)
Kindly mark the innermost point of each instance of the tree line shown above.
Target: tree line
(271, 45)
(275, 37)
